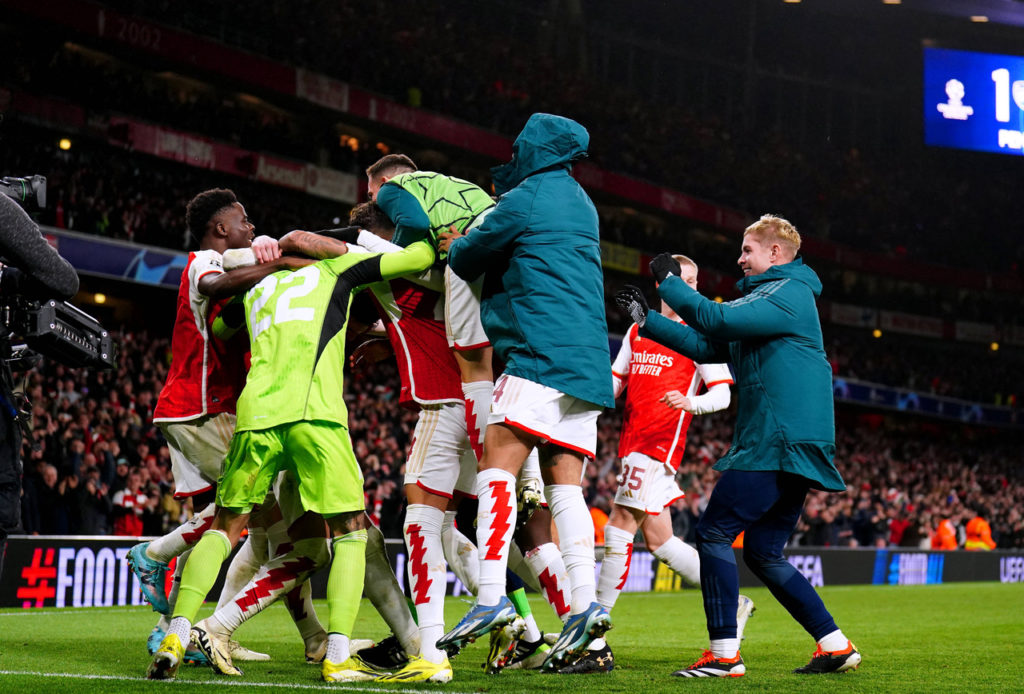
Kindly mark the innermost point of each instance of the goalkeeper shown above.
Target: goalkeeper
(292, 414)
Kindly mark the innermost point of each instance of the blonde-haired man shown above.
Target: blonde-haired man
(783, 441)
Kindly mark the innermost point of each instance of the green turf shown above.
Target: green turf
(957, 637)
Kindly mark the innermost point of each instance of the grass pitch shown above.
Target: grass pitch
(966, 637)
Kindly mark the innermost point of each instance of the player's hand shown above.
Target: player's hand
(677, 401)
(664, 265)
(445, 238)
(265, 249)
(369, 353)
(631, 300)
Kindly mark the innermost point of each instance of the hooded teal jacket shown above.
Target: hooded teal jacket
(543, 296)
(772, 337)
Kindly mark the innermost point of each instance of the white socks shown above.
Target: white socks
(165, 548)
(618, 551)
(836, 641)
(460, 553)
(382, 589)
(495, 523)
(427, 574)
(681, 558)
(546, 563)
(576, 540)
(478, 396)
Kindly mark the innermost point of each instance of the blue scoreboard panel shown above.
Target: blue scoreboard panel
(974, 100)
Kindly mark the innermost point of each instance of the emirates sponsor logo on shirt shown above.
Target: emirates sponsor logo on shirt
(649, 363)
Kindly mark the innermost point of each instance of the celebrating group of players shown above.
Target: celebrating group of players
(464, 287)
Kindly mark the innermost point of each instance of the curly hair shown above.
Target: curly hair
(204, 207)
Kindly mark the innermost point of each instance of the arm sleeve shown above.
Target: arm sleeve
(429, 279)
(471, 255)
(759, 314)
(411, 221)
(620, 366)
(24, 247)
(385, 266)
(683, 339)
(717, 398)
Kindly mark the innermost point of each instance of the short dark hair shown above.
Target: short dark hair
(369, 216)
(204, 207)
(391, 161)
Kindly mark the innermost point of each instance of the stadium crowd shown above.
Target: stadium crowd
(430, 60)
(96, 464)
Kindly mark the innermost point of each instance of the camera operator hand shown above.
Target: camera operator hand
(35, 268)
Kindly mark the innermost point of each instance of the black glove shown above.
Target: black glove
(346, 234)
(664, 265)
(631, 300)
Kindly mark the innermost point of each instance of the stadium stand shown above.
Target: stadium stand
(93, 436)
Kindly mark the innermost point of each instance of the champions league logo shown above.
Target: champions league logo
(954, 108)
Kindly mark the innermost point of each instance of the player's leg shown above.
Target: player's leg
(739, 498)
(762, 552)
(459, 551)
(330, 483)
(386, 596)
(249, 471)
(197, 449)
(623, 523)
(473, 353)
(505, 450)
(197, 579)
(544, 561)
(563, 469)
(299, 549)
(344, 588)
(432, 470)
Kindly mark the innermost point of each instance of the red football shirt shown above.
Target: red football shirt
(649, 370)
(206, 373)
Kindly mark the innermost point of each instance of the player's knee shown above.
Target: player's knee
(710, 534)
(345, 523)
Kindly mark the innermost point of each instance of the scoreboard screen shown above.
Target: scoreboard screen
(974, 100)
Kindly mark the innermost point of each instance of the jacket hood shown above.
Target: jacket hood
(545, 141)
(795, 270)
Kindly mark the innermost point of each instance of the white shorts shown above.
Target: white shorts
(547, 413)
(462, 312)
(646, 484)
(198, 448)
(441, 460)
(462, 306)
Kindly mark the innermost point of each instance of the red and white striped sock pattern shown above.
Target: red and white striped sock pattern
(275, 579)
(165, 548)
(478, 406)
(495, 522)
(546, 562)
(427, 574)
